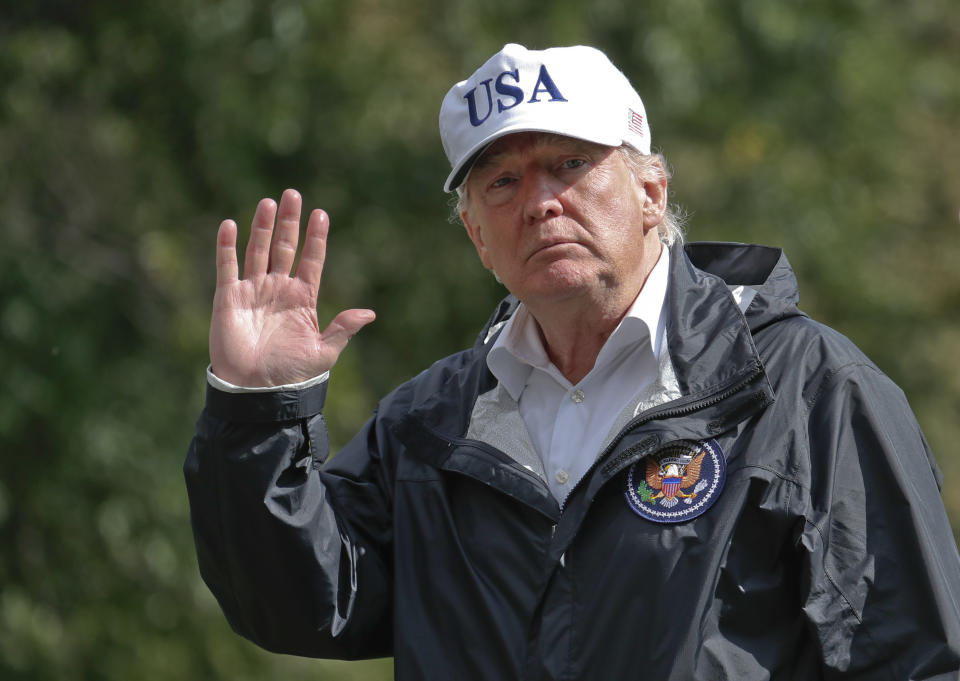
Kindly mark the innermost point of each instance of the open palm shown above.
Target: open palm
(264, 330)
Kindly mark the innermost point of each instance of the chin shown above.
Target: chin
(555, 283)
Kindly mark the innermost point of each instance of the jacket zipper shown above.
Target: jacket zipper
(622, 459)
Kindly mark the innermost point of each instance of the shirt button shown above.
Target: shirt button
(562, 477)
(578, 396)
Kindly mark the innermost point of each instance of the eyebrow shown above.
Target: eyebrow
(487, 159)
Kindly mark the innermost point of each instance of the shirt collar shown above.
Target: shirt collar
(518, 350)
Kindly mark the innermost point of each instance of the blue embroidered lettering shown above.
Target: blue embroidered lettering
(509, 90)
(549, 86)
(472, 105)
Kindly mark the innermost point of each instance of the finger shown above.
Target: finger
(227, 269)
(257, 255)
(345, 326)
(285, 237)
(314, 253)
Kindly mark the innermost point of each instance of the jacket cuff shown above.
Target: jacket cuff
(263, 407)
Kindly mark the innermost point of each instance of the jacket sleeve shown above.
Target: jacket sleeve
(297, 558)
(881, 570)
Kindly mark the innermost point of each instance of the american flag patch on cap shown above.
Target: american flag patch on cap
(635, 122)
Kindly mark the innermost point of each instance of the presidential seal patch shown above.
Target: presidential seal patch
(677, 483)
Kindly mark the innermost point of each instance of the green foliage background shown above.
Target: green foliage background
(129, 130)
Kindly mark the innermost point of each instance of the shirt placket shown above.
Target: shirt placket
(568, 440)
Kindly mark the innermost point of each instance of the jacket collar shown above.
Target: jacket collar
(708, 337)
(763, 269)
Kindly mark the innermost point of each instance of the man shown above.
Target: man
(651, 464)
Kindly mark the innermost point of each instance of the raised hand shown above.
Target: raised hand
(264, 330)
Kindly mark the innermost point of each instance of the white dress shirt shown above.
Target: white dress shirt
(569, 424)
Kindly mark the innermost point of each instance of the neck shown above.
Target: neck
(574, 336)
(575, 329)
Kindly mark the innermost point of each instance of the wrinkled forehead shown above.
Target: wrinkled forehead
(525, 141)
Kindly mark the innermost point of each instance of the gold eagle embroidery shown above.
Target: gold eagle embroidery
(671, 479)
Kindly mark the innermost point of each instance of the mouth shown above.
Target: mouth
(547, 246)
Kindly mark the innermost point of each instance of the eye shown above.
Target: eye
(573, 163)
(501, 182)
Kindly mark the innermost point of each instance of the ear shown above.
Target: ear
(655, 203)
(475, 232)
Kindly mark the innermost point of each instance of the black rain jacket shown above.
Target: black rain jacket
(827, 554)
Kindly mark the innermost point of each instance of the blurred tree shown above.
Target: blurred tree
(128, 131)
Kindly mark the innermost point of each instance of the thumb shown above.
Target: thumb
(345, 325)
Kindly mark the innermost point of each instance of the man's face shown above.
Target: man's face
(557, 217)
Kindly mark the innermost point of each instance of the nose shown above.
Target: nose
(541, 196)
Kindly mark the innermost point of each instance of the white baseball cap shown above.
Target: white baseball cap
(573, 91)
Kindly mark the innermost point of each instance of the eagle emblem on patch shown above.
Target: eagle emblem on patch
(677, 483)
